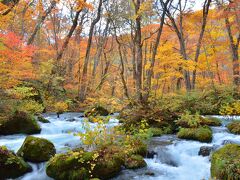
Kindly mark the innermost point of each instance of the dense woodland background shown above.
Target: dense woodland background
(74, 51)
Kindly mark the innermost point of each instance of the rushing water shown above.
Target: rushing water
(175, 159)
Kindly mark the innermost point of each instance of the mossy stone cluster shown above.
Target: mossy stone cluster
(19, 122)
(225, 163)
(36, 149)
(12, 166)
(103, 163)
(234, 127)
(202, 134)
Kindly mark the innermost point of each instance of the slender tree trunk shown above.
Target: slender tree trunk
(83, 88)
(149, 73)
(40, 22)
(206, 6)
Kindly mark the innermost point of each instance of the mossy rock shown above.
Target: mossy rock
(36, 149)
(202, 134)
(225, 163)
(234, 127)
(210, 121)
(70, 166)
(134, 162)
(80, 165)
(19, 122)
(41, 119)
(12, 166)
(96, 111)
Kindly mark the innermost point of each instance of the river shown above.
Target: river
(174, 159)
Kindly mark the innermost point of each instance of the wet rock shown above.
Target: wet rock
(19, 122)
(12, 166)
(151, 154)
(41, 119)
(150, 173)
(205, 150)
(71, 120)
(229, 142)
(36, 149)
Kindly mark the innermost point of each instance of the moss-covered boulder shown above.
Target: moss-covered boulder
(225, 163)
(234, 127)
(134, 162)
(202, 134)
(104, 163)
(12, 166)
(36, 149)
(19, 122)
(96, 111)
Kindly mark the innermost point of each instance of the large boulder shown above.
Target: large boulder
(234, 127)
(19, 122)
(96, 111)
(104, 163)
(202, 134)
(12, 166)
(225, 163)
(134, 162)
(36, 149)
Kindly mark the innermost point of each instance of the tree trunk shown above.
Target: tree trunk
(83, 89)
(40, 22)
(204, 23)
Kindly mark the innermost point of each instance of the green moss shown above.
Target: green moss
(12, 166)
(225, 163)
(134, 162)
(20, 122)
(202, 134)
(234, 127)
(36, 149)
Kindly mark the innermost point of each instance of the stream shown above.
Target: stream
(174, 159)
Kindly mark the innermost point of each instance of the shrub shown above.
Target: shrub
(60, 107)
(231, 108)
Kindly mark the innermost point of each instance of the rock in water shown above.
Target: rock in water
(225, 163)
(205, 151)
(36, 149)
(12, 166)
(20, 122)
